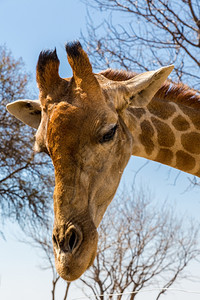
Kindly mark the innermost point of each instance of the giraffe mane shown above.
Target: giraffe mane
(170, 91)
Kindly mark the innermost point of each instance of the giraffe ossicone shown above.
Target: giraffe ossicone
(90, 125)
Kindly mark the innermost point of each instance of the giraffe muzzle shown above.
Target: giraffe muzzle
(74, 245)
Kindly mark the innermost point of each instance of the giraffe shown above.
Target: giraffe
(90, 125)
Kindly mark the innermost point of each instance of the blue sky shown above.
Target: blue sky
(27, 27)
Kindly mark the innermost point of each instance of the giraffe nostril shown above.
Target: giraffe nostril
(54, 240)
(68, 242)
(73, 240)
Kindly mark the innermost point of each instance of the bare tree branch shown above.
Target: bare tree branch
(140, 246)
(25, 178)
(155, 33)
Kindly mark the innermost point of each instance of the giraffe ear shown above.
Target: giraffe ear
(27, 111)
(139, 90)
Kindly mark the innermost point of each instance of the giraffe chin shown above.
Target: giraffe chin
(69, 268)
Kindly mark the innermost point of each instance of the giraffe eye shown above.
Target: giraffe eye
(108, 136)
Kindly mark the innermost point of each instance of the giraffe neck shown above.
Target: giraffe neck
(168, 133)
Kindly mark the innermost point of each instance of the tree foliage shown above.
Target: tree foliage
(145, 34)
(25, 184)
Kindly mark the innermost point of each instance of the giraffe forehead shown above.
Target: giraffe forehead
(66, 117)
(72, 122)
(63, 129)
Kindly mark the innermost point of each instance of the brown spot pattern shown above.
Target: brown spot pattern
(164, 156)
(146, 136)
(193, 114)
(191, 142)
(180, 123)
(165, 135)
(184, 161)
(160, 109)
(137, 112)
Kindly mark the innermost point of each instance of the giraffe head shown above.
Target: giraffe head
(80, 124)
